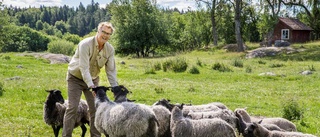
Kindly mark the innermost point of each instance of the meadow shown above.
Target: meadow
(24, 79)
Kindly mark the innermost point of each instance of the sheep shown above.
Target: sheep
(55, 107)
(243, 125)
(123, 119)
(163, 116)
(224, 114)
(280, 122)
(162, 113)
(260, 131)
(184, 127)
(120, 94)
(166, 103)
(245, 115)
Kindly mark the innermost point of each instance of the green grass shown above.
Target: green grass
(21, 106)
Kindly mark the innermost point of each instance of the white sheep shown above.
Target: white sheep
(280, 122)
(225, 114)
(123, 119)
(184, 127)
(260, 131)
(55, 107)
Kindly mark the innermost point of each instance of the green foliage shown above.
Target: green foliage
(1, 89)
(61, 47)
(157, 66)
(248, 69)
(221, 67)
(238, 63)
(176, 65)
(276, 65)
(261, 62)
(20, 39)
(199, 63)
(72, 38)
(292, 110)
(311, 68)
(194, 70)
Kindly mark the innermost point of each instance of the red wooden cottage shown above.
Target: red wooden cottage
(291, 30)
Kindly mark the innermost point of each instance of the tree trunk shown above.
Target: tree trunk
(238, 25)
(213, 22)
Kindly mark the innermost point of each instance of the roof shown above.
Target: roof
(295, 24)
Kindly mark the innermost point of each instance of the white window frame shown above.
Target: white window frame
(285, 34)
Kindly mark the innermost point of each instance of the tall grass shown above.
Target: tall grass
(21, 106)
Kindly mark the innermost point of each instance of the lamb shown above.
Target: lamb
(54, 109)
(120, 94)
(123, 119)
(224, 114)
(184, 127)
(260, 131)
(280, 122)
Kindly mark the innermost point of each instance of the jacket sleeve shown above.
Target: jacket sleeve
(84, 63)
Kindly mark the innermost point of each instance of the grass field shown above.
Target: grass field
(23, 88)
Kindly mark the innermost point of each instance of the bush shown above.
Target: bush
(176, 65)
(276, 65)
(1, 89)
(248, 69)
(61, 47)
(221, 67)
(292, 110)
(157, 66)
(238, 63)
(199, 63)
(194, 70)
(72, 38)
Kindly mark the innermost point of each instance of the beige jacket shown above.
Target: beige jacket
(87, 61)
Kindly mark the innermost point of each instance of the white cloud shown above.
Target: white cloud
(180, 4)
(32, 3)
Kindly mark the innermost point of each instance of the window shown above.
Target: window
(285, 34)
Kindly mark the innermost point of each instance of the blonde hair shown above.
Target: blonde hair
(108, 24)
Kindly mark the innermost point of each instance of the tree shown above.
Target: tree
(213, 7)
(4, 19)
(138, 28)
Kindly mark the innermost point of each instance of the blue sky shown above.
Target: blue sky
(180, 4)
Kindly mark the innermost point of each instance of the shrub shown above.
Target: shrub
(238, 63)
(311, 68)
(61, 47)
(176, 65)
(248, 69)
(221, 67)
(194, 70)
(276, 65)
(72, 38)
(1, 89)
(157, 66)
(292, 110)
(199, 63)
(261, 62)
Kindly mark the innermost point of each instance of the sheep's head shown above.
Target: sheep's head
(120, 94)
(100, 92)
(55, 96)
(251, 129)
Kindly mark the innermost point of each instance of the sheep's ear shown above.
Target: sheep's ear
(49, 90)
(260, 121)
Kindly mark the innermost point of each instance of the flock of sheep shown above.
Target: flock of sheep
(125, 118)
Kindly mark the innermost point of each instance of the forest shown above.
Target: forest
(143, 28)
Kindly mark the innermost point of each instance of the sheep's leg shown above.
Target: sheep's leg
(84, 130)
(56, 130)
